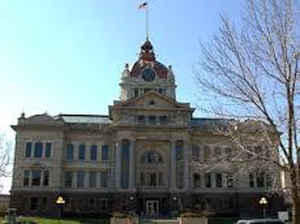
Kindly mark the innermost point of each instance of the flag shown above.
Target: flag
(143, 5)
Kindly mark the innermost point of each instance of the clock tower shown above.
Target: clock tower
(147, 74)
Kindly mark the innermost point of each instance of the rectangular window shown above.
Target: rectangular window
(48, 150)
(136, 92)
(81, 155)
(163, 119)
(44, 203)
(152, 120)
(197, 180)
(34, 202)
(141, 119)
(179, 150)
(93, 179)
(268, 180)
(229, 180)
(26, 177)
(104, 152)
(104, 179)
(260, 180)
(207, 180)
(68, 179)
(251, 180)
(28, 149)
(142, 179)
(70, 152)
(219, 180)
(80, 179)
(36, 178)
(195, 153)
(93, 152)
(46, 178)
(38, 150)
(161, 179)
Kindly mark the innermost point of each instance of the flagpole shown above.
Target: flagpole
(147, 21)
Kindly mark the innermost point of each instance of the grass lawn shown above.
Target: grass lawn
(40, 220)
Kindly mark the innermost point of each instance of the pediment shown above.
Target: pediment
(41, 119)
(151, 99)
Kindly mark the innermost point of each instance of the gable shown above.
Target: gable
(151, 99)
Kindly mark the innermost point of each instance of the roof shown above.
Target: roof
(208, 122)
(85, 118)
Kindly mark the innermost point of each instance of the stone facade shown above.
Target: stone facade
(139, 158)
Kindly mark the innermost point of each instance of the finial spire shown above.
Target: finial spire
(145, 6)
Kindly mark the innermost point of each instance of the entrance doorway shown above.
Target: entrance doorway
(152, 207)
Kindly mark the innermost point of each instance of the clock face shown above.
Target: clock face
(148, 75)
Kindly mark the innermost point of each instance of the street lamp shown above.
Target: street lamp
(60, 201)
(263, 202)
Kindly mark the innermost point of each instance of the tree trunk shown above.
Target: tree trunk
(296, 212)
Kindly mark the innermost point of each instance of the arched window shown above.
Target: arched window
(151, 157)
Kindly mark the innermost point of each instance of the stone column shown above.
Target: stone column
(118, 165)
(172, 174)
(186, 156)
(132, 165)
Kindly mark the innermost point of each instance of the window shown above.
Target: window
(34, 202)
(80, 179)
(44, 203)
(206, 153)
(68, 179)
(229, 180)
(219, 180)
(70, 151)
(28, 149)
(260, 180)
(141, 119)
(153, 179)
(142, 179)
(81, 155)
(160, 180)
(136, 92)
(104, 179)
(268, 180)
(36, 178)
(152, 120)
(38, 150)
(26, 177)
(251, 180)
(151, 157)
(195, 153)
(179, 150)
(228, 152)
(48, 150)
(93, 152)
(196, 180)
(92, 181)
(218, 152)
(104, 152)
(208, 180)
(46, 178)
(163, 119)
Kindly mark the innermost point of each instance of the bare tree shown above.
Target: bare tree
(5, 152)
(251, 74)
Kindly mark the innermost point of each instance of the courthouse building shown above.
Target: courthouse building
(143, 156)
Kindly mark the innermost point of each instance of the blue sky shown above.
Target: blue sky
(67, 56)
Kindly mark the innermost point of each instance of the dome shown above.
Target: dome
(146, 59)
